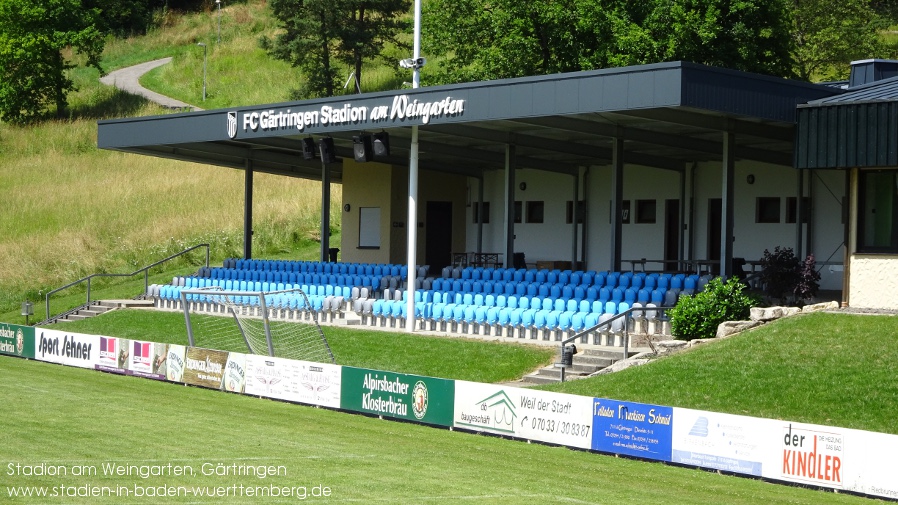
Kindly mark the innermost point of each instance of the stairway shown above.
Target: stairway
(98, 307)
(586, 362)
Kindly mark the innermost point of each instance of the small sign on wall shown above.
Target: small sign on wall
(625, 211)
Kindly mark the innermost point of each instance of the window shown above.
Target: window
(767, 209)
(581, 211)
(535, 211)
(877, 227)
(518, 210)
(791, 209)
(481, 210)
(369, 227)
(645, 211)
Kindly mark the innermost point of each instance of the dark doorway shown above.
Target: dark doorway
(715, 216)
(671, 234)
(438, 245)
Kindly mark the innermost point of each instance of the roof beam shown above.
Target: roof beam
(590, 153)
(657, 138)
(482, 156)
(785, 133)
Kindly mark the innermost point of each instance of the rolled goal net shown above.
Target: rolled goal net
(271, 323)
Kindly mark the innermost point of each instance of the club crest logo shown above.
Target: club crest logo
(232, 124)
(419, 400)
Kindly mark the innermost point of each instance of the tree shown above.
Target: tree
(484, 40)
(306, 42)
(33, 34)
(547, 36)
(320, 35)
(123, 17)
(829, 34)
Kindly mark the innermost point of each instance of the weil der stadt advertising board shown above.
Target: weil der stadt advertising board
(543, 416)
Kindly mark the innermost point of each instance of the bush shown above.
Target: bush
(698, 316)
(787, 280)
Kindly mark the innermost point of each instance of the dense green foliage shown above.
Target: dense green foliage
(322, 37)
(516, 39)
(806, 39)
(698, 316)
(828, 34)
(33, 69)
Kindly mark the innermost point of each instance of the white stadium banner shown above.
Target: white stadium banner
(721, 441)
(72, 349)
(293, 381)
(555, 418)
(234, 376)
(174, 371)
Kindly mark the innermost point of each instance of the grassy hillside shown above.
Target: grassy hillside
(832, 369)
(72, 210)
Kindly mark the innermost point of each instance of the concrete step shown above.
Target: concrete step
(539, 379)
(126, 304)
(73, 317)
(597, 361)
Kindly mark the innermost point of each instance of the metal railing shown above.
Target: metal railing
(145, 270)
(627, 316)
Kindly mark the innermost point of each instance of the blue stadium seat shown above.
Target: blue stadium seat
(512, 302)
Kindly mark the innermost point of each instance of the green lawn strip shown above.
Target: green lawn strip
(830, 369)
(67, 417)
(453, 358)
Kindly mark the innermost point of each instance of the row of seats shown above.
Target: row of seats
(569, 277)
(318, 267)
(507, 320)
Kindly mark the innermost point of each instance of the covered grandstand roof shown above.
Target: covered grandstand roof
(667, 114)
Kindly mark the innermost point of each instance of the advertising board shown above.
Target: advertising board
(633, 429)
(17, 340)
(412, 397)
(72, 349)
(293, 381)
(555, 418)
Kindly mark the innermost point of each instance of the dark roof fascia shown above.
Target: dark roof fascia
(748, 95)
(661, 85)
(848, 96)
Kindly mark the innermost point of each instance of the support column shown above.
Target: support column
(480, 214)
(726, 205)
(799, 214)
(412, 225)
(325, 211)
(584, 243)
(681, 233)
(412, 214)
(509, 203)
(248, 210)
(574, 215)
(617, 195)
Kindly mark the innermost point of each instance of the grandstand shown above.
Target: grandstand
(537, 305)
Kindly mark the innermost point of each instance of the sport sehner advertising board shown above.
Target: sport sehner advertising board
(72, 349)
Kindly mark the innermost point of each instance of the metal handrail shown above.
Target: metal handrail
(145, 271)
(626, 315)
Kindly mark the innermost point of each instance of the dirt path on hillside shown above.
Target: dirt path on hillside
(128, 80)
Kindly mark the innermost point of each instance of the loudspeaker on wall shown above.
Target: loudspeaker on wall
(326, 146)
(362, 148)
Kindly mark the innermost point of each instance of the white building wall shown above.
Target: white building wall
(551, 240)
(874, 281)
